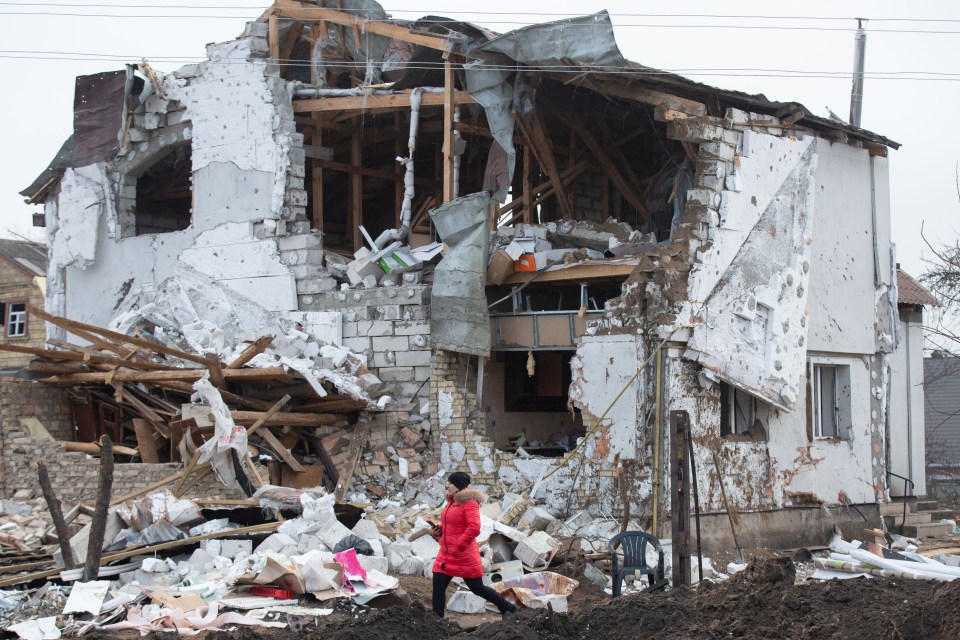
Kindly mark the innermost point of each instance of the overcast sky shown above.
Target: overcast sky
(789, 52)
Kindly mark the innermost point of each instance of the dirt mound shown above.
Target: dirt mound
(539, 624)
(412, 622)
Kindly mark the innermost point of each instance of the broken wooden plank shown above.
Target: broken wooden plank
(340, 404)
(94, 448)
(280, 419)
(361, 434)
(148, 451)
(73, 356)
(71, 325)
(186, 472)
(277, 447)
(147, 412)
(216, 371)
(591, 270)
(539, 142)
(128, 375)
(251, 352)
(272, 411)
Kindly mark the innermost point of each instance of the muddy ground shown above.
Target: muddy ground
(760, 602)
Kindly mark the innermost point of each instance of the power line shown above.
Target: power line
(496, 22)
(706, 72)
(260, 7)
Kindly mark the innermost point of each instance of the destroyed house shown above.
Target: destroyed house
(550, 249)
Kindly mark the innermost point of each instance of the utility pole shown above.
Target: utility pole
(859, 61)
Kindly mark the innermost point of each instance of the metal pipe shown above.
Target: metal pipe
(696, 505)
(656, 441)
(859, 62)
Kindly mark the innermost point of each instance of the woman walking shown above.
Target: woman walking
(459, 553)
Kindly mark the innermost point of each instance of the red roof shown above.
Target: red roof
(909, 291)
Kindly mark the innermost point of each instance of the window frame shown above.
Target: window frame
(731, 398)
(842, 394)
(9, 312)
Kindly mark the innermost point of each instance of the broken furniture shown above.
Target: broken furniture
(633, 545)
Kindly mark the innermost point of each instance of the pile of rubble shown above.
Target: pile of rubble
(213, 570)
(531, 248)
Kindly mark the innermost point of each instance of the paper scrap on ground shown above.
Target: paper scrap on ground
(152, 618)
(87, 597)
(39, 629)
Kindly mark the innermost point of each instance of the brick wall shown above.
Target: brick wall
(17, 286)
(456, 419)
(391, 326)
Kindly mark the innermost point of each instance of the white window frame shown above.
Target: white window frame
(838, 388)
(16, 320)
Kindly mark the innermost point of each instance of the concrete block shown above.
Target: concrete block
(425, 547)
(466, 602)
(377, 563)
(390, 343)
(413, 566)
(535, 549)
(230, 548)
(501, 547)
(357, 345)
(536, 519)
(556, 602)
(414, 358)
(366, 529)
(314, 285)
(300, 241)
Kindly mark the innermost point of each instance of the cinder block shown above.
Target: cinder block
(390, 343)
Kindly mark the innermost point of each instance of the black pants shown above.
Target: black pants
(442, 580)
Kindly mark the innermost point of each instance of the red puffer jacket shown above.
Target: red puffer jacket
(459, 528)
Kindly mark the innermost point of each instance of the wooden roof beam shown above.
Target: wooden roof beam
(311, 13)
(376, 103)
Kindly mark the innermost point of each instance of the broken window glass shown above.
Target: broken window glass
(738, 412)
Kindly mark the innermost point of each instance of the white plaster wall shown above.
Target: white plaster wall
(827, 467)
(749, 295)
(842, 292)
(601, 368)
(767, 162)
(906, 429)
(240, 156)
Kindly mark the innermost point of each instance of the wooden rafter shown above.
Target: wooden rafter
(602, 155)
(312, 13)
(538, 140)
(376, 103)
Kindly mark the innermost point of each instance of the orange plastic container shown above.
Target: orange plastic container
(526, 262)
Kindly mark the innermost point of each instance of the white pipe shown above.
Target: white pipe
(874, 560)
(309, 91)
(457, 138)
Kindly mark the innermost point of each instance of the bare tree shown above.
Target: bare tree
(942, 278)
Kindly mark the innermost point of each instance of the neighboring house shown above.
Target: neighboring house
(732, 252)
(906, 447)
(941, 410)
(23, 273)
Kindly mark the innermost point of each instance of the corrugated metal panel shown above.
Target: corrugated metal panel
(909, 291)
(941, 409)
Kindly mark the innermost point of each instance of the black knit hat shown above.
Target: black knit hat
(459, 479)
